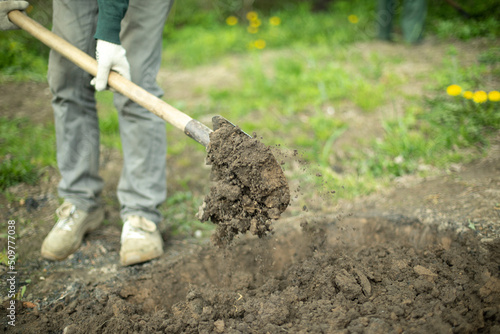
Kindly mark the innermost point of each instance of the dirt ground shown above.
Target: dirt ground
(420, 257)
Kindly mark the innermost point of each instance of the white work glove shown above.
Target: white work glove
(109, 56)
(5, 8)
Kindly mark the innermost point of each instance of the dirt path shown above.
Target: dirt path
(421, 257)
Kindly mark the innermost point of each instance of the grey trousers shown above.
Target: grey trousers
(142, 186)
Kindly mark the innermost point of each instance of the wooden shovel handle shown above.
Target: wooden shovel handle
(183, 122)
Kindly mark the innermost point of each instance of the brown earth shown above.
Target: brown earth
(369, 273)
(249, 188)
(420, 257)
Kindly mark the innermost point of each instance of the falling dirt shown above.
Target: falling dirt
(249, 188)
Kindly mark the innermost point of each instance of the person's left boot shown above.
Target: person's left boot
(140, 241)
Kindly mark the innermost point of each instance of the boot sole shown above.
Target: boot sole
(135, 258)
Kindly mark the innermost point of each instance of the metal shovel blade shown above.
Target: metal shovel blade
(219, 121)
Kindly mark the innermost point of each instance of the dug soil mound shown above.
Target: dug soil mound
(317, 275)
(249, 188)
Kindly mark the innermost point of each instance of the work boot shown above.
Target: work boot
(67, 234)
(141, 241)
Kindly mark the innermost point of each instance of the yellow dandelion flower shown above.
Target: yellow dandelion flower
(232, 20)
(259, 44)
(494, 96)
(255, 23)
(275, 21)
(252, 16)
(252, 30)
(353, 18)
(468, 94)
(480, 96)
(29, 9)
(454, 90)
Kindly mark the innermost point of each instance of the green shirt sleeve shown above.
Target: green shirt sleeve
(111, 13)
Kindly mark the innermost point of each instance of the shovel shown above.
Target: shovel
(191, 127)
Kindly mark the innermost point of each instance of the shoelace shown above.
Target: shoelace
(137, 228)
(131, 232)
(68, 222)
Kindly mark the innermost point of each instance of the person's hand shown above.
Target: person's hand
(109, 56)
(5, 8)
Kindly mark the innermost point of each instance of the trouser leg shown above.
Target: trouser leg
(385, 15)
(413, 20)
(142, 186)
(76, 123)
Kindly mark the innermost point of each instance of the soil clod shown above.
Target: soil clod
(249, 189)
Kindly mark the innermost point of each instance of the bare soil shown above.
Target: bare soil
(319, 274)
(420, 257)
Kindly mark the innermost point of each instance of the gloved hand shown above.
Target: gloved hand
(109, 56)
(5, 8)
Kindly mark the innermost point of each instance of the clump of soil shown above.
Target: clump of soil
(249, 188)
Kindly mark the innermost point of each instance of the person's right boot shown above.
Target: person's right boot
(67, 234)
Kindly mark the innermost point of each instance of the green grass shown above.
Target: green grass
(211, 38)
(108, 120)
(454, 28)
(180, 209)
(24, 149)
(22, 56)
